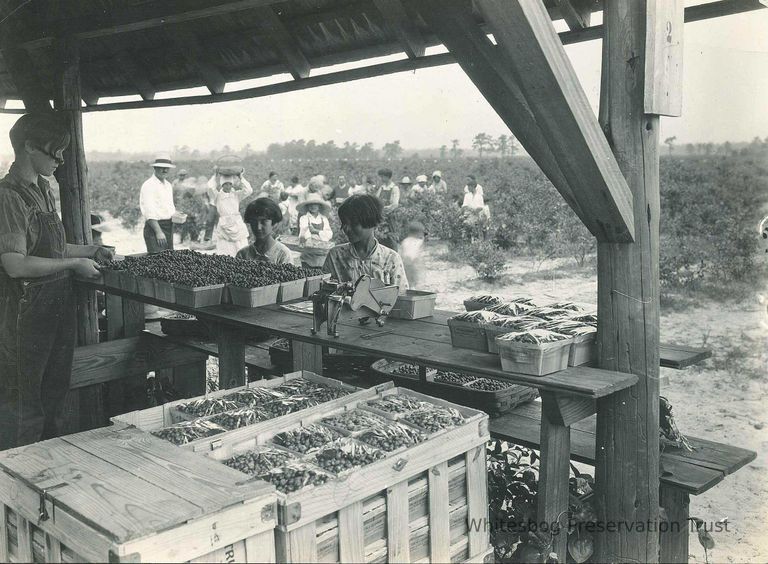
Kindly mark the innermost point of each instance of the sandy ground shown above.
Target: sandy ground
(722, 399)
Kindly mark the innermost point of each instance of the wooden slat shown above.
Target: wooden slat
(523, 29)
(24, 540)
(52, 549)
(664, 58)
(351, 547)
(477, 500)
(398, 529)
(231, 345)
(439, 514)
(403, 27)
(680, 356)
(261, 548)
(3, 533)
(133, 317)
(300, 545)
(307, 356)
(554, 471)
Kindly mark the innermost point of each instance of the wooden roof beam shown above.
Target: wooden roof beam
(21, 68)
(488, 69)
(285, 44)
(136, 74)
(398, 20)
(200, 59)
(540, 66)
(576, 13)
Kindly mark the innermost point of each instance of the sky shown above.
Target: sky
(725, 98)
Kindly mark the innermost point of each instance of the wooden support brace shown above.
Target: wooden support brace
(351, 536)
(439, 514)
(488, 68)
(231, 343)
(524, 31)
(402, 26)
(398, 530)
(286, 45)
(554, 472)
(307, 356)
(136, 73)
(199, 58)
(674, 536)
(22, 69)
(565, 409)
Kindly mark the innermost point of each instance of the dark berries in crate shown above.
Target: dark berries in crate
(392, 437)
(284, 406)
(395, 404)
(449, 377)
(306, 439)
(189, 431)
(239, 418)
(434, 418)
(489, 385)
(406, 369)
(293, 477)
(258, 462)
(345, 454)
(355, 420)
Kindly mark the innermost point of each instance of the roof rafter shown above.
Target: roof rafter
(576, 13)
(398, 20)
(136, 73)
(200, 59)
(540, 66)
(285, 44)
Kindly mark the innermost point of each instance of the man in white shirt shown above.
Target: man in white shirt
(156, 203)
(272, 187)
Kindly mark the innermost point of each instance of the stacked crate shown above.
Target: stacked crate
(121, 495)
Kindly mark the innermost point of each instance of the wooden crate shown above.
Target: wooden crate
(162, 416)
(118, 494)
(414, 505)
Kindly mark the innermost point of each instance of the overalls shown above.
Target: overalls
(37, 340)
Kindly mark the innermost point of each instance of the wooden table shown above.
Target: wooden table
(567, 396)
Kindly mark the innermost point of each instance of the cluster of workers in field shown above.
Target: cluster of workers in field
(38, 301)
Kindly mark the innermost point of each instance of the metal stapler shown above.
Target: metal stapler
(365, 299)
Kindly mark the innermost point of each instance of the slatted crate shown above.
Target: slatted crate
(120, 495)
(156, 418)
(414, 505)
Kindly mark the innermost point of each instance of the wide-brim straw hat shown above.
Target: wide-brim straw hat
(406, 180)
(437, 173)
(163, 161)
(421, 178)
(313, 198)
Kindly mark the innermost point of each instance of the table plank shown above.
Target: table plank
(695, 472)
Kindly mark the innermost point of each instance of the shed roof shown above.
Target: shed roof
(141, 47)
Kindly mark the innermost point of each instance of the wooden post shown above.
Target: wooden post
(675, 532)
(627, 450)
(76, 211)
(231, 343)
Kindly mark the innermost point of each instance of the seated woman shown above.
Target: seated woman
(360, 215)
(264, 215)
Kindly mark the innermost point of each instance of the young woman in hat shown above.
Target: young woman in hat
(313, 228)
(156, 203)
(37, 297)
(226, 189)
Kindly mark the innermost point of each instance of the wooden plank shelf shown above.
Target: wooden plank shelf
(692, 472)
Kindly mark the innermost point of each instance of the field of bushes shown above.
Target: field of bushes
(711, 206)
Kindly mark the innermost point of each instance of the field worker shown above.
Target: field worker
(473, 194)
(438, 184)
(360, 215)
(156, 204)
(313, 228)
(180, 178)
(410, 252)
(341, 192)
(264, 215)
(388, 192)
(405, 187)
(272, 187)
(421, 184)
(296, 193)
(226, 189)
(38, 324)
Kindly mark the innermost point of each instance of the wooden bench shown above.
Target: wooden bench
(682, 473)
